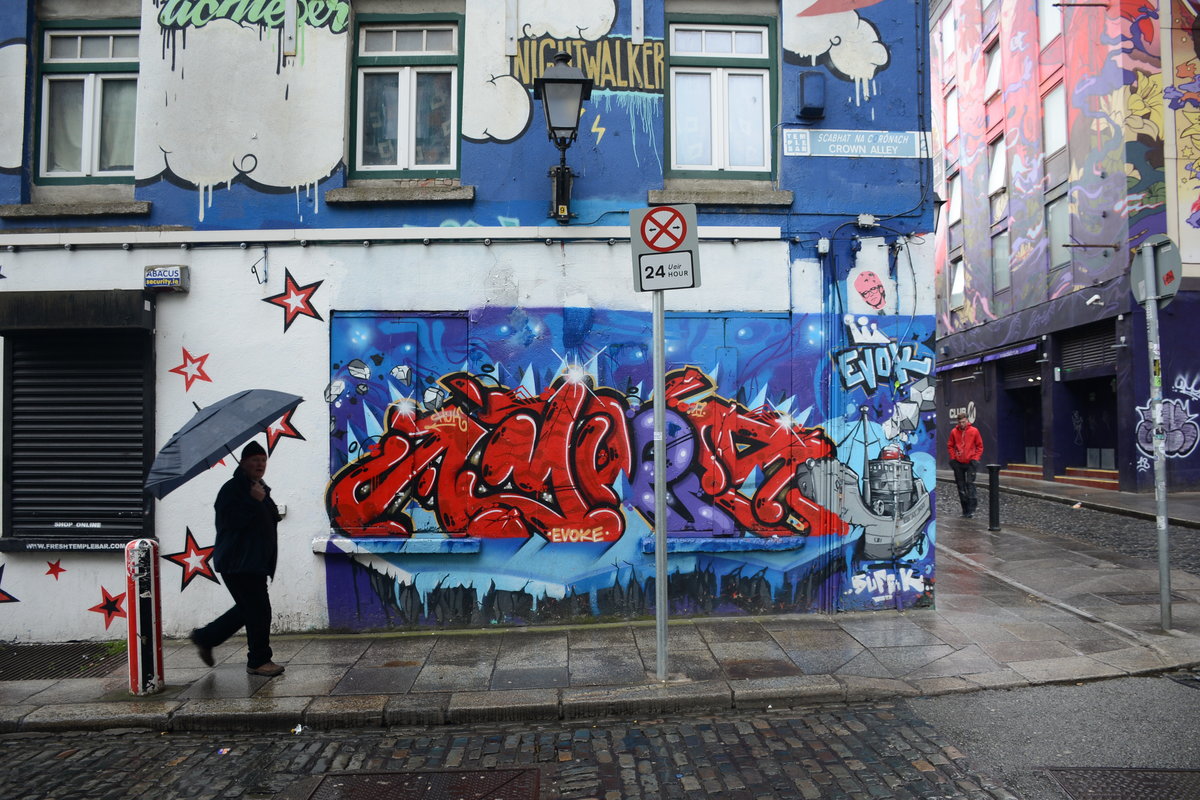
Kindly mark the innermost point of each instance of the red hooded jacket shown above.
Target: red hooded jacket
(965, 444)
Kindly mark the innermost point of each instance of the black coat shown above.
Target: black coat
(247, 541)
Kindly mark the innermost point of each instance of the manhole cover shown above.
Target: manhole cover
(492, 784)
(1138, 598)
(1128, 784)
(21, 662)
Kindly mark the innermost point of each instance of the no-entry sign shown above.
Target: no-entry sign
(666, 252)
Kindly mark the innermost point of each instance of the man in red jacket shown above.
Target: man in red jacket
(966, 448)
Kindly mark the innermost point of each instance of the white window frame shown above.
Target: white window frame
(954, 192)
(991, 58)
(958, 280)
(407, 75)
(86, 70)
(1050, 22)
(719, 95)
(997, 167)
(1055, 101)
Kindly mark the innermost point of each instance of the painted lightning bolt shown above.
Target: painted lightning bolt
(598, 129)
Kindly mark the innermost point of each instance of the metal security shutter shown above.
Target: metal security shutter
(1022, 367)
(77, 434)
(1091, 346)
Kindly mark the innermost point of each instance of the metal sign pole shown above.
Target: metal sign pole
(1160, 444)
(660, 488)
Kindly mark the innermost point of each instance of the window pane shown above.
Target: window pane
(1054, 120)
(440, 41)
(125, 47)
(117, 114)
(434, 118)
(992, 84)
(96, 47)
(718, 41)
(954, 212)
(1049, 21)
(1001, 270)
(1058, 223)
(688, 41)
(997, 161)
(410, 41)
(952, 115)
(64, 139)
(748, 43)
(747, 98)
(949, 37)
(957, 283)
(691, 108)
(379, 118)
(377, 42)
(64, 46)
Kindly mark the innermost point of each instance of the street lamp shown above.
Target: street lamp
(562, 90)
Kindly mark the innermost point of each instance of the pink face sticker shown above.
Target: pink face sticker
(870, 287)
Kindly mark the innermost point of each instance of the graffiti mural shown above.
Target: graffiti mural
(526, 436)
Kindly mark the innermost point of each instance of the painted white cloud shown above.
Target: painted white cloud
(12, 98)
(222, 106)
(851, 42)
(495, 105)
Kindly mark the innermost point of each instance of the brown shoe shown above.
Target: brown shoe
(267, 670)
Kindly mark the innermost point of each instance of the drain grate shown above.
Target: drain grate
(1186, 678)
(492, 784)
(1128, 783)
(1139, 598)
(19, 662)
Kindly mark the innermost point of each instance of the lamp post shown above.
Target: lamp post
(562, 90)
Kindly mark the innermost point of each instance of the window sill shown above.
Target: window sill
(720, 192)
(417, 190)
(136, 208)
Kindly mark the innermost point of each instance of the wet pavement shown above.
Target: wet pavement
(1016, 607)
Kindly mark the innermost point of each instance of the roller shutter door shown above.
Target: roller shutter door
(77, 434)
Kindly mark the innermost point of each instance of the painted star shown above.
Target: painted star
(195, 561)
(110, 607)
(282, 428)
(5, 597)
(56, 568)
(295, 300)
(192, 369)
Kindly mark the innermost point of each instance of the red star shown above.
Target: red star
(5, 597)
(282, 428)
(110, 607)
(295, 300)
(56, 568)
(194, 560)
(192, 369)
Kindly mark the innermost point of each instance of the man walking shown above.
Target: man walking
(966, 448)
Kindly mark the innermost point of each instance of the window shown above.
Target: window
(1001, 269)
(957, 284)
(949, 37)
(89, 103)
(954, 208)
(407, 98)
(1054, 120)
(721, 94)
(1058, 232)
(992, 61)
(997, 186)
(1049, 21)
(951, 115)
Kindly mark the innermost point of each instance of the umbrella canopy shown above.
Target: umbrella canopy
(213, 433)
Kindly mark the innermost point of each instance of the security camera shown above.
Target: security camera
(1094, 300)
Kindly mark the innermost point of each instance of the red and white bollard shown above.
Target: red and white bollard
(145, 617)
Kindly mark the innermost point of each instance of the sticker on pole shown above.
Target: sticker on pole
(666, 252)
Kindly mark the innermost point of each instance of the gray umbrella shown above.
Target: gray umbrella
(213, 433)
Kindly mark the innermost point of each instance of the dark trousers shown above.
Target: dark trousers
(252, 609)
(964, 479)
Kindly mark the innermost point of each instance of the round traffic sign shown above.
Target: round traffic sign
(664, 229)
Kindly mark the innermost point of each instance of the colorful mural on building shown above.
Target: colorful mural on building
(532, 431)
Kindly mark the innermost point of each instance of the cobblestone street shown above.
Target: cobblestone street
(1126, 535)
(852, 752)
